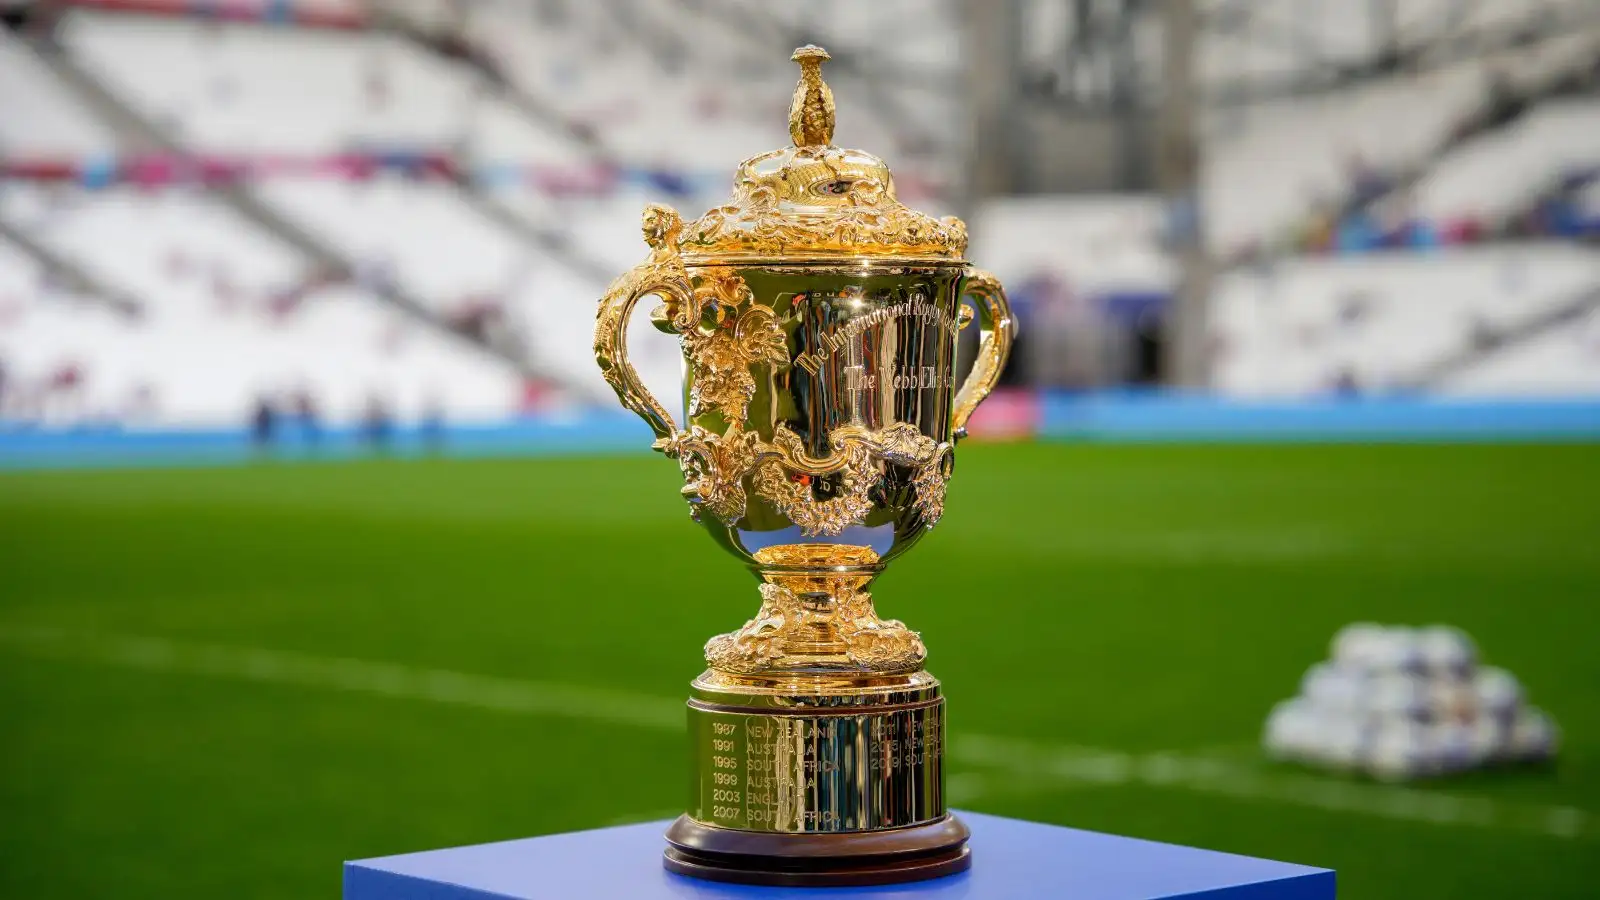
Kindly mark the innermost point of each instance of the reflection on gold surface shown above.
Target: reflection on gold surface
(815, 555)
(818, 772)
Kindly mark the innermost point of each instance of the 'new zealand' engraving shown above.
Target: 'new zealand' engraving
(823, 773)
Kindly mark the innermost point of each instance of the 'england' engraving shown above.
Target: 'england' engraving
(794, 773)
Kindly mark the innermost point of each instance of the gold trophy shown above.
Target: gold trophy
(819, 320)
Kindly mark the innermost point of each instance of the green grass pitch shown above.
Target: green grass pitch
(1112, 625)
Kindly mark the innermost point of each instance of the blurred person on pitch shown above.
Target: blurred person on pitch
(263, 423)
(377, 426)
(308, 417)
(433, 425)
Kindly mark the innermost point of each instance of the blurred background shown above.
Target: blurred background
(321, 536)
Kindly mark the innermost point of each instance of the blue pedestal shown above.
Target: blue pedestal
(1010, 859)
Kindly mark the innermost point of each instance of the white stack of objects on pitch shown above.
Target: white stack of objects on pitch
(1402, 703)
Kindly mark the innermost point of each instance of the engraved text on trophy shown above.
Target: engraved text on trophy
(915, 306)
(822, 773)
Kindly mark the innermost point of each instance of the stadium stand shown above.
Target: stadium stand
(42, 117)
(1272, 165)
(243, 87)
(1377, 323)
(381, 91)
(448, 171)
(218, 295)
(225, 300)
(1566, 357)
(1498, 174)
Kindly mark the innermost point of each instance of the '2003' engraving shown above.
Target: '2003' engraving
(805, 773)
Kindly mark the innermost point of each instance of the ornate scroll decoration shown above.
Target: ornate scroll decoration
(794, 498)
(857, 457)
(724, 332)
(714, 467)
(761, 641)
(817, 199)
(811, 113)
(727, 332)
(663, 273)
(793, 495)
(929, 484)
(878, 644)
(999, 332)
(876, 223)
(841, 628)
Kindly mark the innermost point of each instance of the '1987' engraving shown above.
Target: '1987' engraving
(823, 773)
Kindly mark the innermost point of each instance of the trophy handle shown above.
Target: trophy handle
(998, 330)
(663, 276)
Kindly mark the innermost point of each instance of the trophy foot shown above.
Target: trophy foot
(893, 856)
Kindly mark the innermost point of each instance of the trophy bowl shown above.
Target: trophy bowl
(819, 320)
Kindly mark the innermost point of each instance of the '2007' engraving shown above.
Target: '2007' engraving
(824, 773)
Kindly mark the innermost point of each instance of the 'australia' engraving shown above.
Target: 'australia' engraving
(821, 773)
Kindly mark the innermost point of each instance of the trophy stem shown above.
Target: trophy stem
(817, 617)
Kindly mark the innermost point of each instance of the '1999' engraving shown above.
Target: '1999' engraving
(823, 773)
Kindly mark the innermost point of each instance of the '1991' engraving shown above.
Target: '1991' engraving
(819, 773)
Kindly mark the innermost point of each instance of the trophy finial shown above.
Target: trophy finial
(811, 113)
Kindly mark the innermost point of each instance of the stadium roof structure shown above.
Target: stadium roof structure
(1091, 52)
(912, 64)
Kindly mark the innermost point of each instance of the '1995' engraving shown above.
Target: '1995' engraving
(823, 773)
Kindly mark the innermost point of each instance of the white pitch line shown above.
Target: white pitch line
(354, 675)
(1016, 762)
(1224, 776)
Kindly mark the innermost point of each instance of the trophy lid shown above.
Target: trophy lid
(817, 201)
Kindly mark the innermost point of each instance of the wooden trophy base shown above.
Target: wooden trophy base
(891, 856)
